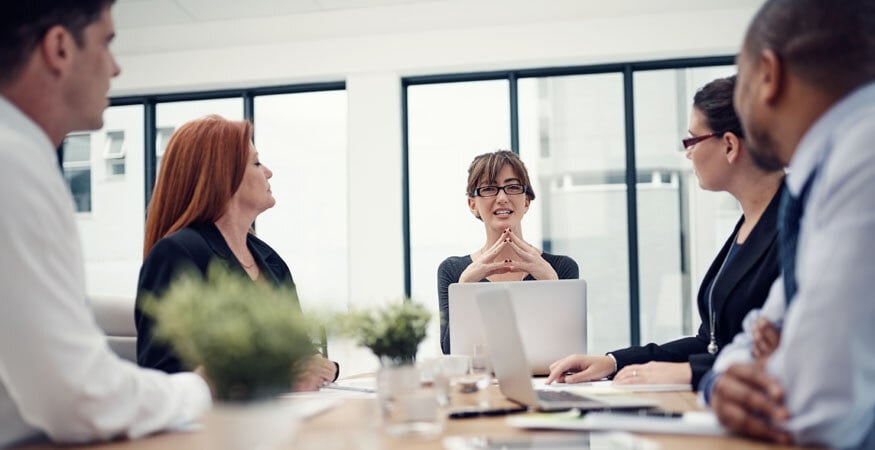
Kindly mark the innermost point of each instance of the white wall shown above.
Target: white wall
(423, 38)
(376, 265)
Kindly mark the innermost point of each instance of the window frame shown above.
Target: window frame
(628, 70)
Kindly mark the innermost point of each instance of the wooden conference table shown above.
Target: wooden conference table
(355, 424)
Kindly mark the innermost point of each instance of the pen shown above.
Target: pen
(342, 387)
(465, 414)
(642, 413)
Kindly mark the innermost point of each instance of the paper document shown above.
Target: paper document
(552, 441)
(352, 388)
(701, 423)
(608, 387)
(343, 387)
(363, 384)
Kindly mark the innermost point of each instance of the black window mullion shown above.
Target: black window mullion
(405, 192)
(249, 107)
(150, 148)
(632, 206)
(514, 113)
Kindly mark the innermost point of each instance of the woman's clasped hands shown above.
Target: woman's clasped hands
(510, 253)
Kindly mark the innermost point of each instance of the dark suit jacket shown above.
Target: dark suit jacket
(743, 285)
(193, 247)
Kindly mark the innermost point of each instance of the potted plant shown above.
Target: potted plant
(393, 333)
(249, 338)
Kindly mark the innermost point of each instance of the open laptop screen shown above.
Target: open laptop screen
(509, 362)
(551, 315)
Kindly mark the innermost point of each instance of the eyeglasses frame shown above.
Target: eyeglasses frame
(686, 143)
(477, 192)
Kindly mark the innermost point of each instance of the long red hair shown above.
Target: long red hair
(203, 166)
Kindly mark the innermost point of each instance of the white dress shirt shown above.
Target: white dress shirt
(826, 359)
(58, 376)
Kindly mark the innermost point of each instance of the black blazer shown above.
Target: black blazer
(194, 246)
(743, 286)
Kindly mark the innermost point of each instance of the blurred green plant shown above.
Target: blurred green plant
(250, 338)
(392, 332)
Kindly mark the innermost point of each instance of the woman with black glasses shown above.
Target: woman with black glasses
(740, 276)
(499, 193)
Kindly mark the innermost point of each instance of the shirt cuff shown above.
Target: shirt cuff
(615, 362)
(198, 396)
(706, 386)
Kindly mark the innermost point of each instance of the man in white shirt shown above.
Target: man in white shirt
(58, 376)
(806, 99)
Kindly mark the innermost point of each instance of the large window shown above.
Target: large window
(450, 124)
(297, 135)
(577, 131)
(171, 115)
(680, 226)
(572, 141)
(112, 235)
(301, 138)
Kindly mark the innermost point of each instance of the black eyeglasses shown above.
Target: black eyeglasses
(492, 191)
(691, 141)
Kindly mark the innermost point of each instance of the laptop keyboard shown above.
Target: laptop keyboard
(560, 396)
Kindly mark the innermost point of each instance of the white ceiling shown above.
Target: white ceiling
(160, 26)
(130, 14)
(147, 13)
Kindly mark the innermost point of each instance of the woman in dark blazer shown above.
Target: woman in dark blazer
(740, 277)
(210, 190)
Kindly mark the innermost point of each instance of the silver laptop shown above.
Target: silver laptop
(509, 362)
(552, 318)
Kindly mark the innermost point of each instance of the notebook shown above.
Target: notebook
(697, 423)
(552, 318)
(509, 362)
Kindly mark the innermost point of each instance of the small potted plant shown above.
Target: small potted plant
(393, 333)
(249, 338)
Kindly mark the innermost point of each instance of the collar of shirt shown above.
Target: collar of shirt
(813, 148)
(13, 120)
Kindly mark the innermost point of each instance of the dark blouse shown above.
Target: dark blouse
(451, 269)
(193, 247)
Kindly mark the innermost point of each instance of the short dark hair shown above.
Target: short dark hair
(23, 23)
(485, 167)
(714, 100)
(828, 43)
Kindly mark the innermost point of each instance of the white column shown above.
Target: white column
(376, 259)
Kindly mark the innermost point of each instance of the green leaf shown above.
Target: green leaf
(393, 333)
(249, 337)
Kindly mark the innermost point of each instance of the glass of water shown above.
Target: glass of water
(481, 370)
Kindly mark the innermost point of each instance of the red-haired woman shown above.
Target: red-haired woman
(210, 190)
